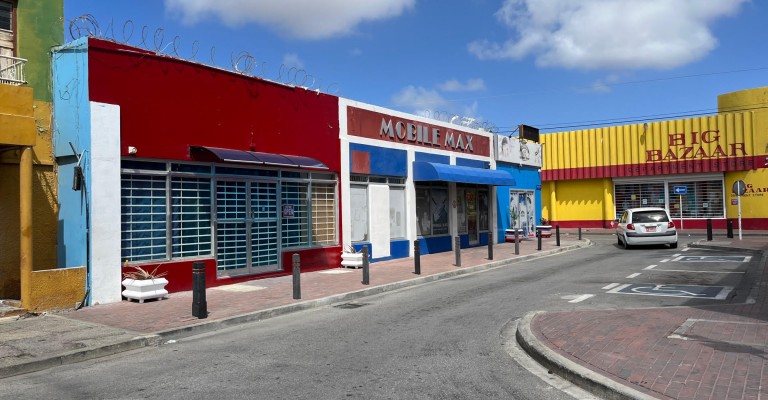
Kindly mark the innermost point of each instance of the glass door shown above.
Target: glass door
(246, 227)
(471, 204)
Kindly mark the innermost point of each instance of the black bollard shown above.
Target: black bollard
(557, 235)
(366, 267)
(199, 304)
(457, 250)
(517, 242)
(729, 230)
(579, 233)
(538, 237)
(490, 245)
(709, 229)
(416, 257)
(296, 276)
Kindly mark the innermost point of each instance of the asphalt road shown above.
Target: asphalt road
(442, 340)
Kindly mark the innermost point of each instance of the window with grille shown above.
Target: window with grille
(703, 199)
(143, 217)
(633, 195)
(296, 228)
(190, 216)
(323, 213)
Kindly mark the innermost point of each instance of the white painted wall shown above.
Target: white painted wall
(104, 189)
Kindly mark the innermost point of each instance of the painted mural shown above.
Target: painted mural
(522, 211)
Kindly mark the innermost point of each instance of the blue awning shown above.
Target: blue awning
(427, 171)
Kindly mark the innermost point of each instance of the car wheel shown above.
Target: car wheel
(626, 245)
(673, 245)
(618, 239)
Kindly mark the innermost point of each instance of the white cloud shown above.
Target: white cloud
(420, 100)
(293, 60)
(305, 19)
(471, 85)
(608, 34)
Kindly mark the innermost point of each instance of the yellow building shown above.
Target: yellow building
(688, 166)
(28, 205)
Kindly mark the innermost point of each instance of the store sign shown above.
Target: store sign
(518, 151)
(369, 124)
(692, 146)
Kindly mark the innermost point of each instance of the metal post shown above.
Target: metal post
(199, 304)
(557, 235)
(366, 267)
(490, 245)
(517, 242)
(538, 236)
(457, 250)
(738, 198)
(709, 229)
(579, 233)
(296, 276)
(729, 229)
(417, 257)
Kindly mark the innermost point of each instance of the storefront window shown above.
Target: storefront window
(143, 219)
(432, 210)
(191, 216)
(703, 197)
(482, 197)
(295, 228)
(323, 213)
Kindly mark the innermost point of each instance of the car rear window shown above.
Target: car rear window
(650, 216)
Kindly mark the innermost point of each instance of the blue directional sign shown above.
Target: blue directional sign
(681, 189)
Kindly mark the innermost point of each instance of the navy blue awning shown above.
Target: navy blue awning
(204, 153)
(427, 171)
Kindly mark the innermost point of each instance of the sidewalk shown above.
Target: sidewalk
(712, 352)
(32, 343)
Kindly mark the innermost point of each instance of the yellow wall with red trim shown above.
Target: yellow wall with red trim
(579, 166)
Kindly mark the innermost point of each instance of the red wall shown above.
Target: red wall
(168, 104)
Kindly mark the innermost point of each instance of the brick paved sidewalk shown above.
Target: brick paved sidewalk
(708, 352)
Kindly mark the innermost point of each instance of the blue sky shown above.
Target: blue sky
(554, 64)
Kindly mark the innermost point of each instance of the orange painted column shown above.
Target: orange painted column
(25, 212)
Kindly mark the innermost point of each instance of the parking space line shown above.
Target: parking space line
(665, 260)
(611, 286)
(581, 298)
(635, 275)
(650, 267)
(700, 272)
(686, 249)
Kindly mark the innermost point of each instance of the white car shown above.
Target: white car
(646, 226)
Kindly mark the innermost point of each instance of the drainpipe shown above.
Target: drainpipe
(25, 211)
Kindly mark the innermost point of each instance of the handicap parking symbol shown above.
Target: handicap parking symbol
(686, 291)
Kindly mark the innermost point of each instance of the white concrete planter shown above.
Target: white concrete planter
(352, 260)
(145, 289)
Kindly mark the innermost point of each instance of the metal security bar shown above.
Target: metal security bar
(295, 228)
(191, 216)
(143, 217)
(323, 213)
(12, 70)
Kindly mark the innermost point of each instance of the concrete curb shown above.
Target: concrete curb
(213, 325)
(76, 356)
(569, 370)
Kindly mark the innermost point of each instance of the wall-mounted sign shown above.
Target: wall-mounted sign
(288, 211)
(518, 151)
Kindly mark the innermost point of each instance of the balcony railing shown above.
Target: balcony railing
(12, 70)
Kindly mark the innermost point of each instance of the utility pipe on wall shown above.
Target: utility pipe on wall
(25, 212)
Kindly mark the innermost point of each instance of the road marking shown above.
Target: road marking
(701, 272)
(635, 275)
(686, 249)
(611, 286)
(665, 260)
(581, 298)
(719, 259)
(650, 267)
(676, 255)
(684, 291)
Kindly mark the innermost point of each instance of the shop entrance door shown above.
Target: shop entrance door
(472, 216)
(247, 227)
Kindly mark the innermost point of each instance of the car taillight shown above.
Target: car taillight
(630, 227)
(671, 225)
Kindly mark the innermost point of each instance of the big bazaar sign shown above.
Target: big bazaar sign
(692, 146)
(373, 125)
